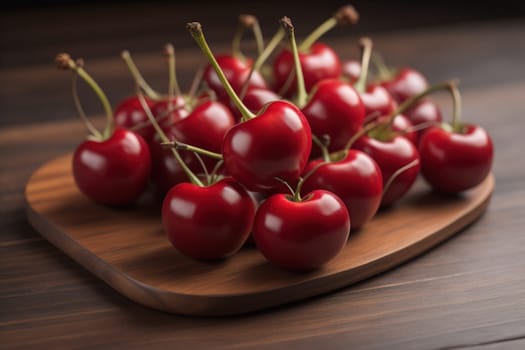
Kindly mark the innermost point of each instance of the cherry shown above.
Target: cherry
(211, 116)
(112, 167)
(455, 157)
(255, 99)
(274, 144)
(424, 113)
(351, 70)
(129, 114)
(318, 60)
(376, 99)
(353, 176)
(235, 66)
(301, 234)
(209, 222)
(402, 83)
(396, 156)
(333, 109)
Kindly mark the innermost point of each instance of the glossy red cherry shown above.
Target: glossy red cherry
(236, 71)
(455, 157)
(114, 171)
(355, 178)
(111, 167)
(130, 114)
(255, 99)
(318, 60)
(424, 112)
(169, 111)
(211, 116)
(406, 83)
(392, 155)
(275, 144)
(403, 127)
(210, 222)
(301, 235)
(351, 70)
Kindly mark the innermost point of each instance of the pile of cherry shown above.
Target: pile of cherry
(295, 154)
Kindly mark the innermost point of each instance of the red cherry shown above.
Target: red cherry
(424, 112)
(215, 119)
(351, 70)
(301, 235)
(275, 144)
(114, 171)
(209, 222)
(236, 71)
(169, 111)
(392, 155)
(453, 162)
(455, 157)
(335, 109)
(403, 127)
(320, 62)
(255, 99)
(129, 114)
(406, 83)
(356, 179)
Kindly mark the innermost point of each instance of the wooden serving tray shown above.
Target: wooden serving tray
(127, 248)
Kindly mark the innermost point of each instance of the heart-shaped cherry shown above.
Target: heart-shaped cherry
(301, 234)
(424, 114)
(112, 167)
(455, 157)
(275, 144)
(318, 60)
(333, 109)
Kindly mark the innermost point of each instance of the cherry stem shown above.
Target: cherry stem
(195, 83)
(302, 95)
(195, 29)
(323, 145)
(78, 105)
(204, 169)
(173, 85)
(364, 130)
(184, 146)
(139, 79)
(412, 100)
(213, 176)
(385, 73)
(345, 15)
(398, 172)
(302, 180)
(263, 56)
(64, 61)
(236, 41)
(248, 21)
(191, 176)
(366, 52)
(456, 98)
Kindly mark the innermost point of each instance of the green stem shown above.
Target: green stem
(302, 180)
(236, 41)
(183, 146)
(385, 73)
(68, 63)
(195, 29)
(259, 38)
(263, 56)
(323, 146)
(126, 56)
(302, 95)
(358, 134)
(456, 98)
(412, 100)
(366, 48)
(398, 172)
(78, 105)
(191, 176)
(345, 15)
(173, 85)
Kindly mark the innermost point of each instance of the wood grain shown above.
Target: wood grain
(467, 293)
(127, 249)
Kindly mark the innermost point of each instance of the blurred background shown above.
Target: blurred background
(33, 32)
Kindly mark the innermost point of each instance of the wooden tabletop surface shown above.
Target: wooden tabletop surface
(468, 292)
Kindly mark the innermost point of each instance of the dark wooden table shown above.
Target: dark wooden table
(469, 292)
